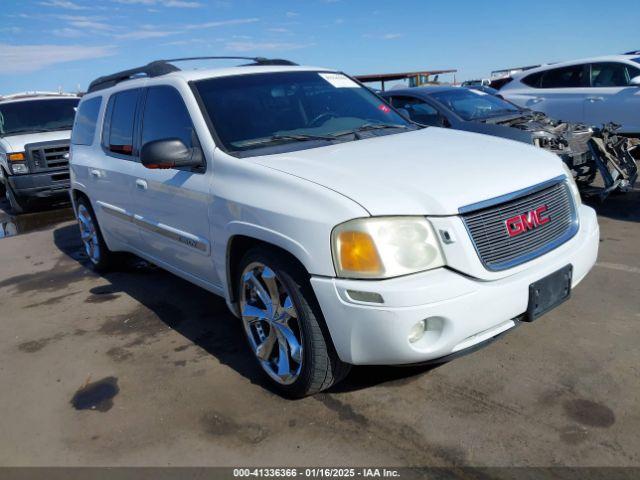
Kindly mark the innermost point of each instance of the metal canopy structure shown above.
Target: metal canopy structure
(418, 78)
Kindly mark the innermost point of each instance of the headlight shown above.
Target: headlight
(385, 247)
(19, 168)
(572, 185)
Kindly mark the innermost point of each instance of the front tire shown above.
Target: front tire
(102, 259)
(18, 204)
(284, 325)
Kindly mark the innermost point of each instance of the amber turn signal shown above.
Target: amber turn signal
(358, 253)
(16, 157)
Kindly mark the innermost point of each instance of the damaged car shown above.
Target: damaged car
(587, 151)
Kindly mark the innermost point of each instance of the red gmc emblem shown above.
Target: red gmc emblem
(527, 221)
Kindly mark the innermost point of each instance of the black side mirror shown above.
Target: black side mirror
(170, 153)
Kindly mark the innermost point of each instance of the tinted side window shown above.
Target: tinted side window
(419, 111)
(84, 127)
(123, 112)
(566, 77)
(166, 116)
(611, 74)
(533, 80)
(633, 71)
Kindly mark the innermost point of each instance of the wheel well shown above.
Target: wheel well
(241, 244)
(77, 194)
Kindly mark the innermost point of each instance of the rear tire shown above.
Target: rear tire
(102, 259)
(279, 309)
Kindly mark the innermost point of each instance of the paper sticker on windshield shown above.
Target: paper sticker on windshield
(338, 80)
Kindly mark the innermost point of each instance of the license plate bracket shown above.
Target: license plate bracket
(549, 292)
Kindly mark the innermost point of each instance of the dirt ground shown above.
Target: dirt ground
(171, 381)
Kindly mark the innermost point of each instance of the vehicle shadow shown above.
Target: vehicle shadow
(362, 377)
(201, 317)
(618, 206)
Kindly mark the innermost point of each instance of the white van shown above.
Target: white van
(34, 147)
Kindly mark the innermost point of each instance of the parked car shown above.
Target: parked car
(485, 89)
(482, 82)
(586, 150)
(34, 147)
(593, 91)
(337, 231)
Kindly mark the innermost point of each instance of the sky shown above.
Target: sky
(52, 44)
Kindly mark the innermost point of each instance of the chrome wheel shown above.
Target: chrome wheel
(89, 234)
(271, 323)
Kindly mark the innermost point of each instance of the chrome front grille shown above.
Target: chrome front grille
(49, 155)
(487, 225)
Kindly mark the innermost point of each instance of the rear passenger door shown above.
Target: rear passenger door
(611, 96)
(110, 179)
(559, 92)
(172, 205)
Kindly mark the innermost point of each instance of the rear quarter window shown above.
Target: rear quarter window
(533, 80)
(84, 126)
(118, 134)
(565, 77)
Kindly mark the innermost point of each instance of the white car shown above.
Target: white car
(337, 231)
(594, 91)
(34, 146)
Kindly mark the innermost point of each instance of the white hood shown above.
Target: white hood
(433, 171)
(16, 143)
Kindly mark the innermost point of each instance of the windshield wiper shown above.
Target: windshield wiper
(66, 127)
(36, 130)
(302, 137)
(378, 126)
(25, 130)
(370, 126)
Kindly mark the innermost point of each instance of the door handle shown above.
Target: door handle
(94, 173)
(141, 184)
(595, 99)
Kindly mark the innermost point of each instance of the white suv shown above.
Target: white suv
(594, 91)
(336, 230)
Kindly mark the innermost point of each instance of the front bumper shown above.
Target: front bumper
(45, 184)
(461, 311)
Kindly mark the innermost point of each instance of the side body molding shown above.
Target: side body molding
(184, 238)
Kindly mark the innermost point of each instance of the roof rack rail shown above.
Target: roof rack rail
(36, 93)
(163, 67)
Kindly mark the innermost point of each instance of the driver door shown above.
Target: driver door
(419, 111)
(172, 205)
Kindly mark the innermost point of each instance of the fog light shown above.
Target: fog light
(417, 331)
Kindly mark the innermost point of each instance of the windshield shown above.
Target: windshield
(307, 109)
(474, 105)
(37, 116)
